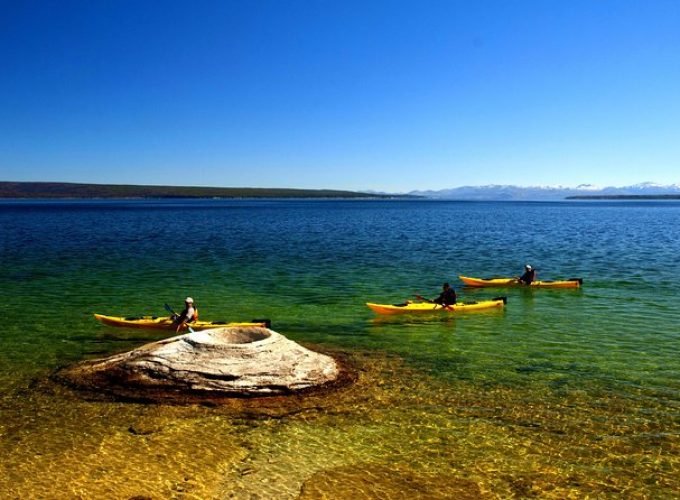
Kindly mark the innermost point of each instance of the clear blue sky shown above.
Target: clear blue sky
(384, 95)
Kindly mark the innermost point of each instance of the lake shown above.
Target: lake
(563, 393)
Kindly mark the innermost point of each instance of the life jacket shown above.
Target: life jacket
(194, 318)
(529, 276)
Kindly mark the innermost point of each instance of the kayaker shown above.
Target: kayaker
(188, 315)
(447, 297)
(529, 275)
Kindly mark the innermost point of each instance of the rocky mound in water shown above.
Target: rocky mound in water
(210, 364)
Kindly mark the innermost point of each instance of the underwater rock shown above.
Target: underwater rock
(223, 362)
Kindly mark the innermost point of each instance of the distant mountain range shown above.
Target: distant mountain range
(548, 193)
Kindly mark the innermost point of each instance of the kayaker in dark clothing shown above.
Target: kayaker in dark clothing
(529, 275)
(447, 297)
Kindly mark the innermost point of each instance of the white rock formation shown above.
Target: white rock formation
(221, 362)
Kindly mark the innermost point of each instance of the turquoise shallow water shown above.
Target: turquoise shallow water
(603, 352)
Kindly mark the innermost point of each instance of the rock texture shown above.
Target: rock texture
(222, 362)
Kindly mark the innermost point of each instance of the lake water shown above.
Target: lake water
(564, 393)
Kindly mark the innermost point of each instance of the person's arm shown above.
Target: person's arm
(182, 317)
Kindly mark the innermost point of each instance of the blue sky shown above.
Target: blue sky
(389, 95)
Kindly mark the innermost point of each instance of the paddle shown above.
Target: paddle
(169, 309)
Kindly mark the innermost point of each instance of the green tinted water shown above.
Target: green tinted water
(563, 393)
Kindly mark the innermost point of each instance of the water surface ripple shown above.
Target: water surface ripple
(563, 393)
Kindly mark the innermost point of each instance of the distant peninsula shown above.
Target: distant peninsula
(67, 190)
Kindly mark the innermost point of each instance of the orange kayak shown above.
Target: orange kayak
(428, 307)
(570, 283)
(166, 323)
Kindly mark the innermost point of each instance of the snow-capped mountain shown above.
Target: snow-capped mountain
(544, 193)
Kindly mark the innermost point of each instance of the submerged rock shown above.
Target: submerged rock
(224, 362)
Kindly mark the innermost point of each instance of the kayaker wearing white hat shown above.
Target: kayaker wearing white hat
(188, 315)
(528, 276)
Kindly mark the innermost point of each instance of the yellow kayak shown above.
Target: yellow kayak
(428, 307)
(570, 283)
(166, 323)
